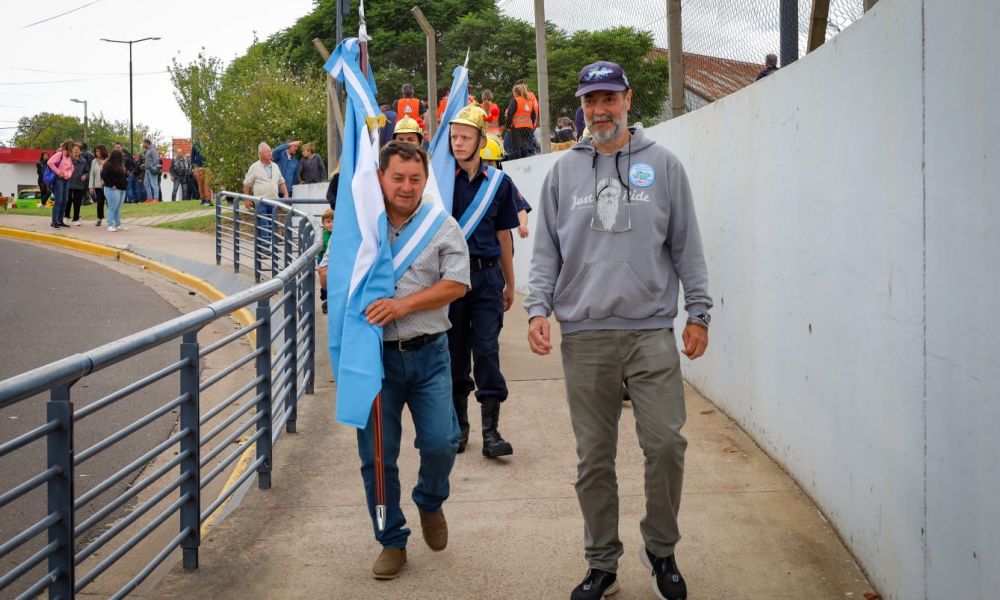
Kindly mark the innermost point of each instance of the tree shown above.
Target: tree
(255, 98)
(49, 130)
(46, 130)
(397, 48)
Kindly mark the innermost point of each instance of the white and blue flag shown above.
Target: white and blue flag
(442, 160)
(360, 263)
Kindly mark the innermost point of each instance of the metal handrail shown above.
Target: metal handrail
(284, 243)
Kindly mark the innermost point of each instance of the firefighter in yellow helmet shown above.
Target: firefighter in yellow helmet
(492, 155)
(408, 130)
(483, 202)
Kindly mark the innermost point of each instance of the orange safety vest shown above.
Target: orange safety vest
(442, 105)
(407, 107)
(534, 106)
(522, 116)
(492, 121)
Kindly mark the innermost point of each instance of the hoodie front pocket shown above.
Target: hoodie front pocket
(605, 289)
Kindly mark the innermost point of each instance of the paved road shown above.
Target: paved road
(55, 304)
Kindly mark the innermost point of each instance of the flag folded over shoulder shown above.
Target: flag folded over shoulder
(442, 160)
(360, 265)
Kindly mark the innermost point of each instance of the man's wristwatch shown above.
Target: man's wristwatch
(703, 319)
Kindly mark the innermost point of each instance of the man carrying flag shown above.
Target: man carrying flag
(483, 202)
(415, 360)
(397, 263)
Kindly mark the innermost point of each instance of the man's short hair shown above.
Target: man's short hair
(404, 150)
(147, 141)
(407, 89)
(261, 147)
(771, 60)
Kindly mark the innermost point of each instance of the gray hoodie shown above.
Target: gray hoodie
(592, 278)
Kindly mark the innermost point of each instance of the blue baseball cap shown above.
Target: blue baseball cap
(602, 76)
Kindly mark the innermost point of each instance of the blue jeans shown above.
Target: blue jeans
(133, 190)
(420, 379)
(152, 186)
(60, 195)
(178, 187)
(266, 212)
(114, 198)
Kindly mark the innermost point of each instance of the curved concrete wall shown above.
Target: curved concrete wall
(849, 211)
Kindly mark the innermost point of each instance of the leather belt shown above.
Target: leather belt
(478, 264)
(412, 344)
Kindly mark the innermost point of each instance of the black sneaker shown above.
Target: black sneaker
(595, 586)
(668, 583)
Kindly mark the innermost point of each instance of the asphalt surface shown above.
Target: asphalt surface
(55, 304)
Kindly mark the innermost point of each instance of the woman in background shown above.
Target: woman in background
(62, 163)
(96, 183)
(115, 180)
(40, 167)
(77, 184)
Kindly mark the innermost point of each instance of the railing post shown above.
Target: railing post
(191, 419)
(256, 241)
(286, 233)
(274, 241)
(218, 234)
(291, 333)
(306, 240)
(264, 393)
(236, 235)
(60, 492)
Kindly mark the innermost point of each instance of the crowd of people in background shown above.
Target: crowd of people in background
(74, 176)
(516, 124)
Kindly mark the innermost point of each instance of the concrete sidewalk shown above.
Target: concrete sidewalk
(515, 526)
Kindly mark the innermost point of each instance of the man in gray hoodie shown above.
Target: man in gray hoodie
(617, 236)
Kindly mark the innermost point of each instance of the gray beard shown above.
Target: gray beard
(610, 136)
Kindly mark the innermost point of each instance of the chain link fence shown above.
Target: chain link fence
(725, 43)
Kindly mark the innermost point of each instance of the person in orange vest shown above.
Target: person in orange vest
(519, 119)
(535, 140)
(492, 114)
(443, 102)
(409, 105)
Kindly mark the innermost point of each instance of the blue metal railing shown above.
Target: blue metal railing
(159, 499)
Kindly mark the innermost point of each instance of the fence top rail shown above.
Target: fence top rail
(71, 368)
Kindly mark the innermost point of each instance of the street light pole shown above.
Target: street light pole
(85, 122)
(131, 135)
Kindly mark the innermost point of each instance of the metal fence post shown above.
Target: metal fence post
(286, 232)
(306, 240)
(218, 234)
(264, 393)
(290, 311)
(60, 492)
(190, 419)
(256, 241)
(236, 235)
(274, 241)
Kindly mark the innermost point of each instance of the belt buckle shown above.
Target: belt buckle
(399, 345)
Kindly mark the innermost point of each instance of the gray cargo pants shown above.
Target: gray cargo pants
(595, 364)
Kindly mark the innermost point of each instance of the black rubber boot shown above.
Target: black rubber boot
(462, 410)
(493, 444)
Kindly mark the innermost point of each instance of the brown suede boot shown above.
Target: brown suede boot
(389, 563)
(435, 529)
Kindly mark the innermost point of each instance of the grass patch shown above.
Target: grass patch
(128, 210)
(203, 224)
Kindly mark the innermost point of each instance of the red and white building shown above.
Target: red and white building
(17, 169)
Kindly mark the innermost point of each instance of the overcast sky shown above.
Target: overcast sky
(68, 50)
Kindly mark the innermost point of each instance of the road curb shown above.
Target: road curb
(244, 316)
(197, 284)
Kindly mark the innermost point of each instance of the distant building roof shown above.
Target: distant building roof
(711, 77)
(21, 155)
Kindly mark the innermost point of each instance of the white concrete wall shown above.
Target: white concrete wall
(849, 212)
(16, 176)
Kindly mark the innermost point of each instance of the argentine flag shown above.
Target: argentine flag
(442, 161)
(360, 265)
